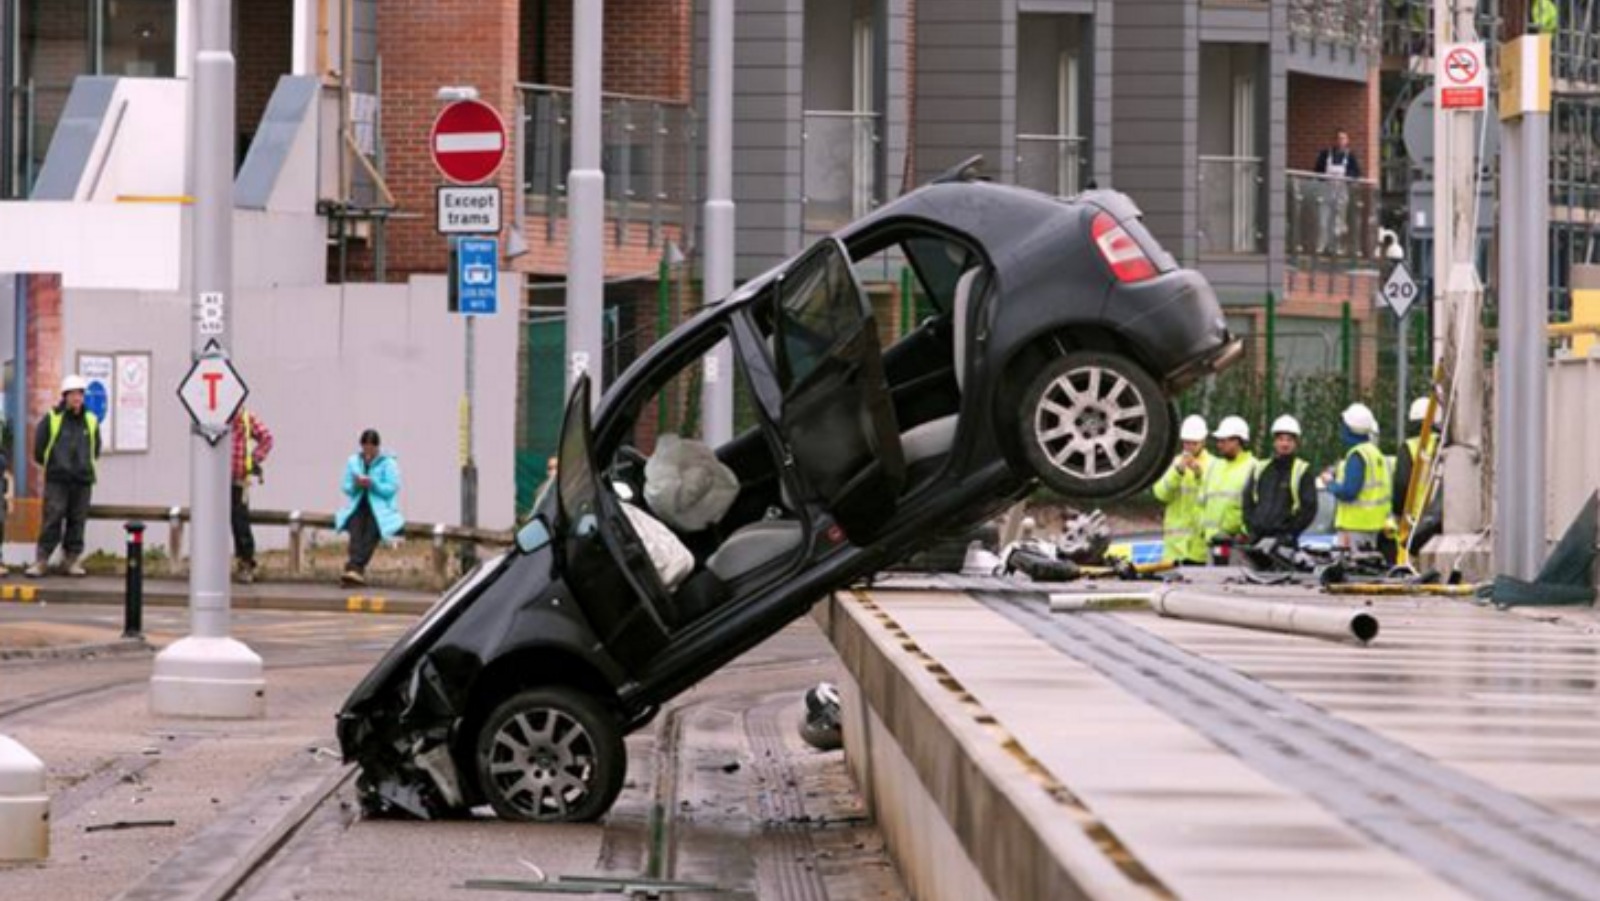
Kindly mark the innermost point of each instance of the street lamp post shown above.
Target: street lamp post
(207, 673)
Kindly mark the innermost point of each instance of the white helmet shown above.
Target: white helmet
(1194, 429)
(1419, 409)
(1286, 425)
(74, 383)
(1359, 419)
(1234, 427)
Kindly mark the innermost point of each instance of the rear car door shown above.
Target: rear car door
(604, 564)
(837, 417)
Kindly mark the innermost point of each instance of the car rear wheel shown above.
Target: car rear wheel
(550, 755)
(1094, 425)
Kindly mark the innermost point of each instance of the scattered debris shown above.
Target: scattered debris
(823, 727)
(731, 766)
(1072, 603)
(1320, 621)
(594, 885)
(120, 825)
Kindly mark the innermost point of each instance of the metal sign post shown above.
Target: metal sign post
(586, 192)
(474, 292)
(1400, 295)
(209, 674)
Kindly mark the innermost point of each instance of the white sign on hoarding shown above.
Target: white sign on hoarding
(131, 403)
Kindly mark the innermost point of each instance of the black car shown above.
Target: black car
(1057, 330)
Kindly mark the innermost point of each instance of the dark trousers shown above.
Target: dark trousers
(364, 536)
(66, 508)
(244, 541)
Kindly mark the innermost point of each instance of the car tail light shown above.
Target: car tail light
(1127, 259)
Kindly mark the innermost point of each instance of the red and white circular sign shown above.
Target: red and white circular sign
(468, 142)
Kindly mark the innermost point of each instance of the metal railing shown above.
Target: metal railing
(1231, 201)
(1333, 222)
(1352, 23)
(1054, 164)
(300, 524)
(839, 168)
(647, 155)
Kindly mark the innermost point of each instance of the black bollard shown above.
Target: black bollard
(133, 599)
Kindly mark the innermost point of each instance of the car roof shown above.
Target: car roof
(995, 215)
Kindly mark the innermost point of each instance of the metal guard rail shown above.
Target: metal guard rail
(440, 531)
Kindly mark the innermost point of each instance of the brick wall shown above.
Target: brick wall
(1317, 106)
(265, 36)
(426, 44)
(45, 369)
(648, 46)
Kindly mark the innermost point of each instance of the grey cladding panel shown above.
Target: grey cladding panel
(291, 103)
(66, 162)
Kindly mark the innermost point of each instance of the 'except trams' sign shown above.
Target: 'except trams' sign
(469, 211)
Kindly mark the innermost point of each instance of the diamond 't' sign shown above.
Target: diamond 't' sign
(212, 392)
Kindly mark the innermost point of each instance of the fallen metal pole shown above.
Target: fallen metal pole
(1340, 623)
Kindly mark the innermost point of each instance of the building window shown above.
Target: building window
(1052, 150)
(1233, 141)
(58, 40)
(841, 130)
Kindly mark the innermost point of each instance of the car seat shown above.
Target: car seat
(936, 437)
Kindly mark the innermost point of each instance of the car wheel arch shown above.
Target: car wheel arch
(533, 665)
(1020, 367)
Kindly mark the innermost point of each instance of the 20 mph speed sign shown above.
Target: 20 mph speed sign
(468, 142)
(1400, 291)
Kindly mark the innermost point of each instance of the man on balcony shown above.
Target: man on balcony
(1336, 164)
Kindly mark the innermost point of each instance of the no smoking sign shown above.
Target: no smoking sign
(1462, 77)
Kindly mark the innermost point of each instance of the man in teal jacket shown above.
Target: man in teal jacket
(370, 514)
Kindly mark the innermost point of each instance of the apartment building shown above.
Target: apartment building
(1209, 113)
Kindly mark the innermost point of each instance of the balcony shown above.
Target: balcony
(1231, 201)
(839, 169)
(1333, 38)
(647, 155)
(1054, 164)
(1333, 222)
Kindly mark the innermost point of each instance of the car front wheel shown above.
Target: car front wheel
(1094, 425)
(550, 755)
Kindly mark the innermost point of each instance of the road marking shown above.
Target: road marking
(22, 594)
(360, 603)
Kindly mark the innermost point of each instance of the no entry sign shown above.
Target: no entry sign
(468, 142)
(1462, 78)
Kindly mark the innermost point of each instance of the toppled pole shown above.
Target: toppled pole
(1338, 623)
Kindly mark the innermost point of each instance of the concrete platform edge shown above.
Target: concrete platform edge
(48, 594)
(1000, 819)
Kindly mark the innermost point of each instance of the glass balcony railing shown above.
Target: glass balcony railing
(839, 168)
(1353, 23)
(647, 155)
(1231, 201)
(1054, 164)
(1333, 222)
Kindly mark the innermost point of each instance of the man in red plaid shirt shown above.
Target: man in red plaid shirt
(252, 442)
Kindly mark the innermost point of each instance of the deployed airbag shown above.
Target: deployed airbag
(672, 560)
(686, 485)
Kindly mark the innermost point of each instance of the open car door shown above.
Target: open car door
(837, 418)
(604, 564)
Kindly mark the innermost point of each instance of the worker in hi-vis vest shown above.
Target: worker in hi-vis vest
(1179, 490)
(1222, 497)
(66, 445)
(1281, 500)
(1363, 483)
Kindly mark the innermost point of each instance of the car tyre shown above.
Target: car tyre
(550, 755)
(1094, 425)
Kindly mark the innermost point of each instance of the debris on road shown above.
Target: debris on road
(1338, 623)
(120, 825)
(1073, 603)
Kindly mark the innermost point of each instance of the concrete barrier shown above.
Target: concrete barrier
(24, 805)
